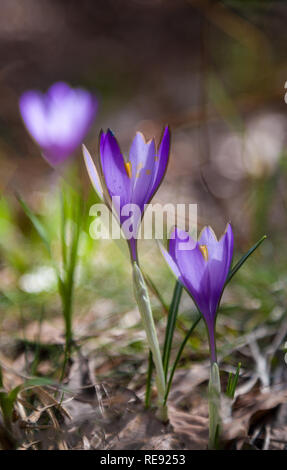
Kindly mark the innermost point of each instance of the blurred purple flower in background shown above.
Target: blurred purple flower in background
(59, 119)
(134, 181)
(202, 267)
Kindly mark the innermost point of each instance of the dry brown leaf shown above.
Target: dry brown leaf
(250, 408)
(144, 431)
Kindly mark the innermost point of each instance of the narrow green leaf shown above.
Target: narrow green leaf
(235, 380)
(229, 384)
(39, 382)
(232, 382)
(171, 321)
(39, 227)
(66, 287)
(243, 259)
(63, 229)
(7, 401)
(42, 232)
(12, 395)
(148, 381)
(177, 359)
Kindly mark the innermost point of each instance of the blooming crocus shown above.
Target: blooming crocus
(122, 183)
(59, 119)
(134, 181)
(202, 267)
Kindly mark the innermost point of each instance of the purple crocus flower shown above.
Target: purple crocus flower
(59, 119)
(119, 182)
(202, 267)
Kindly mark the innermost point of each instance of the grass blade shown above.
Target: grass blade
(39, 227)
(232, 382)
(171, 321)
(243, 259)
(70, 264)
(193, 326)
(148, 381)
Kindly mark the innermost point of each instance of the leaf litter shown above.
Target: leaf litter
(94, 409)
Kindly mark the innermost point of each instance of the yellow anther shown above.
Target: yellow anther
(128, 167)
(148, 172)
(204, 251)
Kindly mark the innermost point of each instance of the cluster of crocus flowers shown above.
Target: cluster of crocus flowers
(133, 182)
(59, 119)
(202, 267)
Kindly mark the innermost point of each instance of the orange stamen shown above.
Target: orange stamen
(128, 167)
(204, 251)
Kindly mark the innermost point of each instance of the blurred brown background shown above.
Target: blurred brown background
(214, 70)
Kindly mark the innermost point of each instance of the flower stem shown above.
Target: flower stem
(214, 391)
(143, 301)
(71, 208)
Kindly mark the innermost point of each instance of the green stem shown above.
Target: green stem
(214, 392)
(142, 298)
(63, 229)
(69, 266)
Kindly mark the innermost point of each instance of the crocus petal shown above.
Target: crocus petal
(228, 235)
(128, 183)
(194, 271)
(113, 168)
(170, 262)
(102, 141)
(93, 174)
(33, 113)
(204, 276)
(161, 162)
(69, 115)
(138, 154)
(203, 269)
(142, 159)
(58, 91)
(218, 265)
(58, 120)
(207, 237)
(188, 257)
